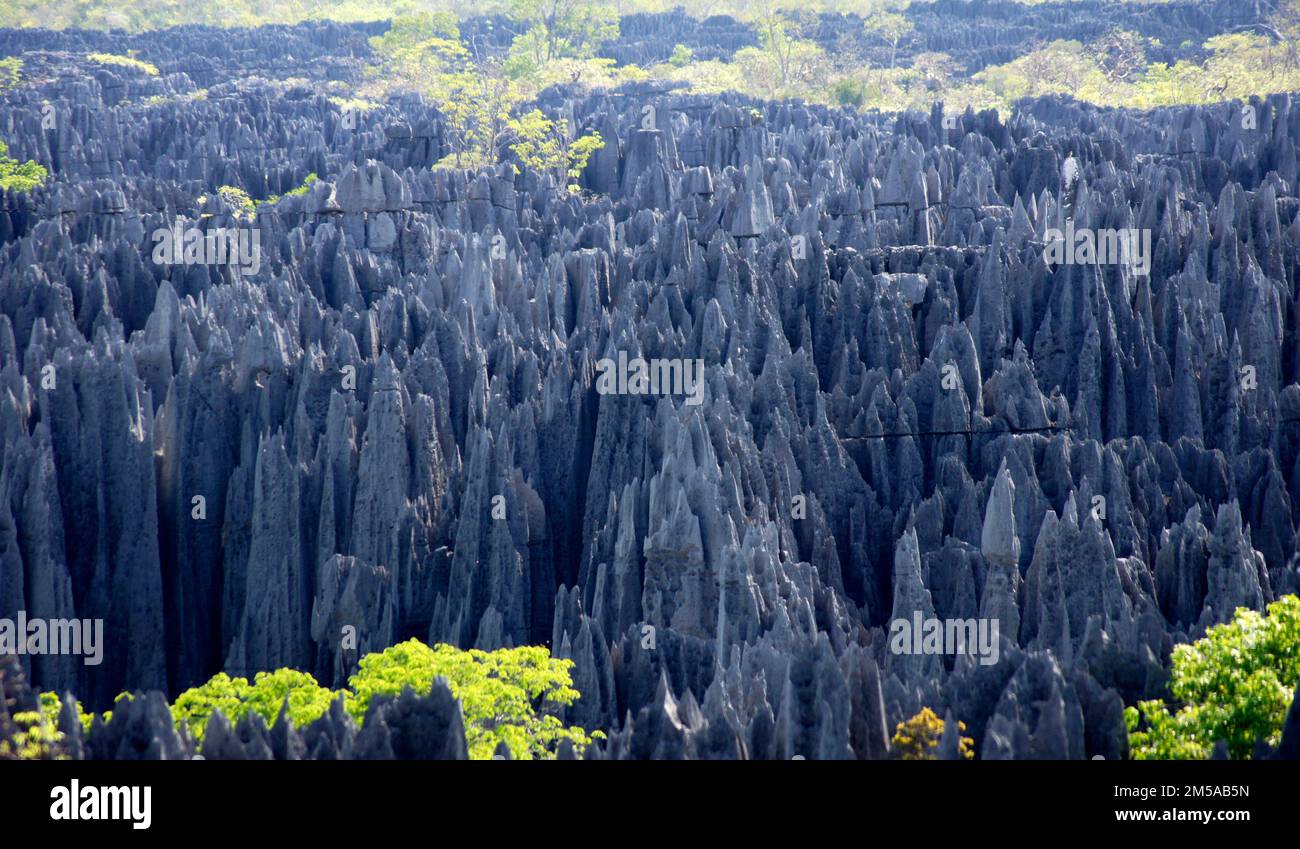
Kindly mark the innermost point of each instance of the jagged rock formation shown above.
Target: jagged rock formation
(979, 33)
(648, 39)
(393, 424)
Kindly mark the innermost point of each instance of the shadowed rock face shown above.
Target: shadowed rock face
(394, 424)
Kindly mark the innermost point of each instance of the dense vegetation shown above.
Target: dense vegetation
(507, 696)
(1234, 685)
(560, 40)
(36, 737)
(486, 95)
(486, 98)
(123, 62)
(19, 176)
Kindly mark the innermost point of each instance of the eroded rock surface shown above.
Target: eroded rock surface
(393, 425)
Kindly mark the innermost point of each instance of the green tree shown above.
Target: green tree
(235, 697)
(477, 101)
(556, 29)
(1061, 66)
(20, 176)
(787, 58)
(194, 707)
(508, 695)
(417, 49)
(1235, 684)
(307, 699)
(848, 91)
(544, 145)
(470, 87)
(885, 21)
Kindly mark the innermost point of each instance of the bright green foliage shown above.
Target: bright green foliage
(308, 700)
(244, 205)
(557, 29)
(681, 56)
(478, 95)
(418, 48)
(235, 697)
(10, 72)
(580, 151)
(917, 738)
(1235, 684)
(188, 97)
(302, 189)
(123, 62)
(540, 142)
(1062, 66)
(50, 706)
(424, 53)
(477, 102)
(505, 694)
(20, 176)
(37, 737)
(196, 705)
(543, 144)
(1111, 70)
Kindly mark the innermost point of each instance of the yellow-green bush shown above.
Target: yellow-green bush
(37, 737)
(20, 176)
(124, 62)
(1235, 684)
(508, 695)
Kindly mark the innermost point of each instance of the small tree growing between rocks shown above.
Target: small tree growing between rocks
(917, 739)
(545, 145)
(1235, 685)
(20, 176)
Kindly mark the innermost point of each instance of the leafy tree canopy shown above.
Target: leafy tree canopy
(1235, 684)
(558, 29)
(507, 695)
(20, 176)
(235, 698)
(544, 145)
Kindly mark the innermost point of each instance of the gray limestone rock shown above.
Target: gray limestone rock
(400, 422)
